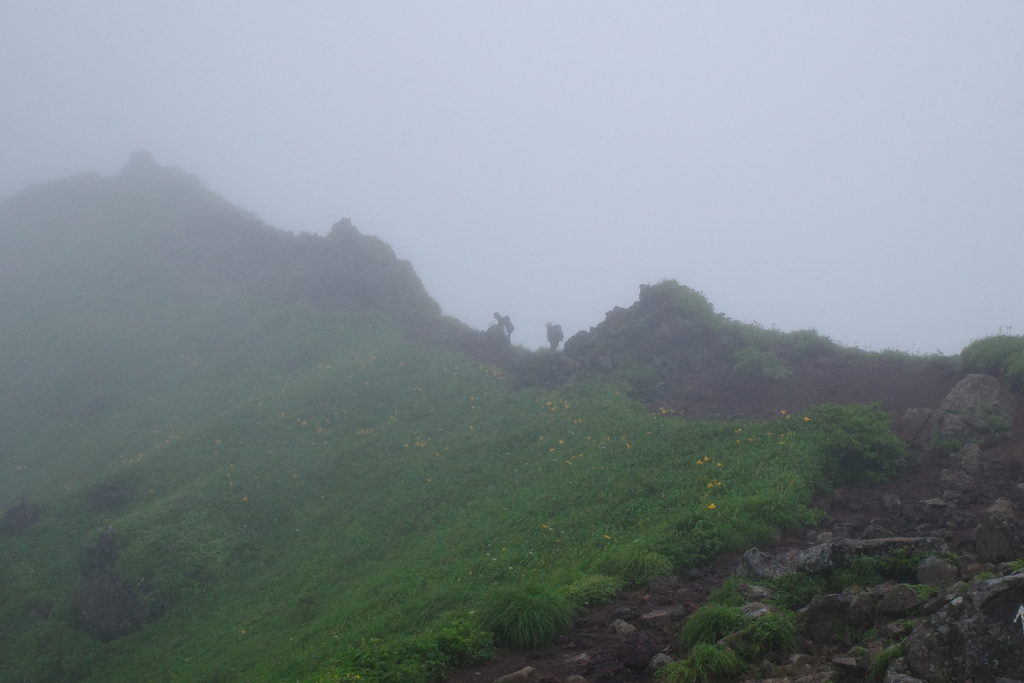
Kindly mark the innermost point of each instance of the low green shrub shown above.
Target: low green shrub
(528, 616)
(595, 589)
(795, 589)
(989, 355)
(753, 361)
(1013, 368)
(709, 624)
(858, 443)
(455, 640)
(706, 662)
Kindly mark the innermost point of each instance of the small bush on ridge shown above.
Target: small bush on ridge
(858, 444)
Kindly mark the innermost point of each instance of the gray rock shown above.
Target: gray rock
(827, 616)
(970, 459)
(999, 539)
(877, 531)
(756, 565)
(1001, 508)
(918, 427)
(934, 571)
(974, 637)
(575, 678)
(524, 675)
(620, 626)
(891, 502)
(754, 593)
(755, 610)
(899, 601)
(1018, 494)
(659, 660)
(659, 618)
(976, 410)
(892, 677)
(818, 559)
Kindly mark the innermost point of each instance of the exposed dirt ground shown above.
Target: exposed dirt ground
(899, 386)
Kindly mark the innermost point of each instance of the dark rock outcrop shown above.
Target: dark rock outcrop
(975, 637)
(19, 517)
(106, 607)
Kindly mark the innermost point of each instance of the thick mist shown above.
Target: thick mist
(857, 169)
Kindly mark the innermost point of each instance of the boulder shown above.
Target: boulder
(620, 626)
(756, 565)
(970, 459)
(978, 636)
(977, 410)
(525, 675)
(899, 601)
(827, 617)
(934, 571)
(999, 539)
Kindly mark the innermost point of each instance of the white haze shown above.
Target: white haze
(853, 167)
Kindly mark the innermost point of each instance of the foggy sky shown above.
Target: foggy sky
(857, 168)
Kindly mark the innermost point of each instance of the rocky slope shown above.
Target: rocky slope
(964, 509)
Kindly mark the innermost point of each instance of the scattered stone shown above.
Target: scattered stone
(620, 626)
(934, 571)
(891, 502)
(581, 660)
(756, 565)
(576, 678)
(661, 618)
(755, 610)
(659, 660)
(754, 593)
(525, 674)
(876, 531)
(899, 601)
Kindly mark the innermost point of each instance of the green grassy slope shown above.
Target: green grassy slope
(293, 474)
(375, 490)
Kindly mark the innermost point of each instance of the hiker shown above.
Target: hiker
(554, 336)
(504, 324)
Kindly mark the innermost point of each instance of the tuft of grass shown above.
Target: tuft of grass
(706, 662)
(636, 566)
(528, 616)
(885, 658)
(775, 632)
(709, 624)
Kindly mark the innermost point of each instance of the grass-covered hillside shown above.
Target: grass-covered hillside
(236, 467)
